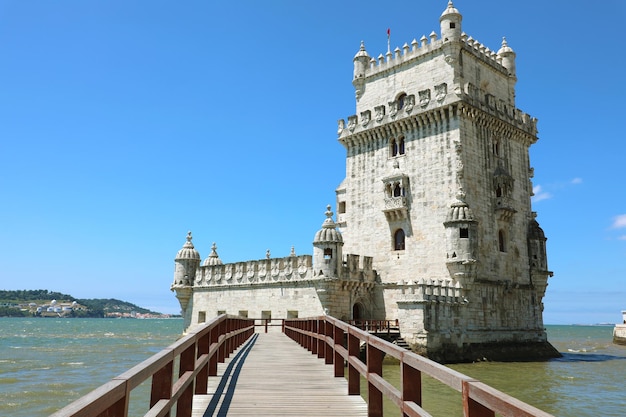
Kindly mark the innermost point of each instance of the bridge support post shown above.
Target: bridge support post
(312, 339)
(411, 384)
(321, 331)
(354, 377)
(328, 356)
(374, 396)
(471, 407)
(338, 359)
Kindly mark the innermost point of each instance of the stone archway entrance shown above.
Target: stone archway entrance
(358, 311)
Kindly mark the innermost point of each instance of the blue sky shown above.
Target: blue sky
(124, 124)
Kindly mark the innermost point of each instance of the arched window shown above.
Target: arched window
(394, 147)
(397, 191)
(400, 100)
(398, 240)
(401, 146)
(501, 241)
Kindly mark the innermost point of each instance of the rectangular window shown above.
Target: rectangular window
(243, 313)
(201, 316)
(328, 253)
(220, 312)
(266, 315)
(463, 233)
(342, 207)
(292, 314)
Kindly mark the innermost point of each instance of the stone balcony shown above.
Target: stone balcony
(396, 208)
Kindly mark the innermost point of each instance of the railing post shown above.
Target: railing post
(411, 384)
(187, 363)
(338, 360)
(321, 330)
(213, 338)
(354, 378)
(312, 339)
(221, 350)
(472, 408)
(202, 379)
(162, 384)
(374, 396)
(328, 356)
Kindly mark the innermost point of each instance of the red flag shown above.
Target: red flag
(388, 32)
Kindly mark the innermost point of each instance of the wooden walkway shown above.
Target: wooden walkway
(271, 375)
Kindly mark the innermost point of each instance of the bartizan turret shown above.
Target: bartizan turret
(450, 22)
(361, 62)
(187, 262)
(327, 249)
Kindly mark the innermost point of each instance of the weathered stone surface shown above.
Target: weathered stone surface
(436, 202)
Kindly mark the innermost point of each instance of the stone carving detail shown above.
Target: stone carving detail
(239, 271)
(379, 112)
(393, 108)
(341, 125)
(409, 103)
(302, 266)
(440, 91)
(251, 270)
(424, 97)
(366, 116)
(352, 120)
(228, 274)
(262, 270)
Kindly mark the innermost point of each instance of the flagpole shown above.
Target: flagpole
(388, 41)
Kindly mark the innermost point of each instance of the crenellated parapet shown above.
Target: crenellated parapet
(277, 271)
(256, 272)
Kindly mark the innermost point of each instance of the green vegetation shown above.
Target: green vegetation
(16, 304)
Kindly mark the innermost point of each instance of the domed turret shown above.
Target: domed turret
(450, 22)
(461, 231)
(508, 57)
(187, 262)
(213, 258)
(327, 246)
(361, 61)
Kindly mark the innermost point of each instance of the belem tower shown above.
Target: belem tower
(434, 225)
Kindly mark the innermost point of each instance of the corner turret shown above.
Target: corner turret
(327, 246)
(450, 22)
(187, 262)
(507, 56)
(361, 61)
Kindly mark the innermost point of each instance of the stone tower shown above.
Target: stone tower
(327, 248)
(186, 262)
(438, 192)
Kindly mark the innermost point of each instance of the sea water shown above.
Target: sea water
(47, 363)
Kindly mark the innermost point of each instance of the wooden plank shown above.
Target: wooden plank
(272, 375)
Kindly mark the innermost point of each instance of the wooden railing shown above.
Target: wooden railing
(375, 326)
(325, 336)
(195, 355)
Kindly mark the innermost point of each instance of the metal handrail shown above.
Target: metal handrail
(196, 356)
(325, 337)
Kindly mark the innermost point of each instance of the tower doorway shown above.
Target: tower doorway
(358, 311)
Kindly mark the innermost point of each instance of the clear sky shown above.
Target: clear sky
(124, 124)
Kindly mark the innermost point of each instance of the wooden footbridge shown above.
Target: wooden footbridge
(303, 367)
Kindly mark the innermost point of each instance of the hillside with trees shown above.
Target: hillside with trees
(26, 303)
